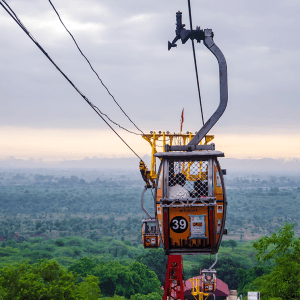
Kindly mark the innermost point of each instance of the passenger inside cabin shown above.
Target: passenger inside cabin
(178, 191)
(147, 229)
(200, 189)
(205, 188)
(153, 229)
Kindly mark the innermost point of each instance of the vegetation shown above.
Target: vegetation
(83, 256)
(280, 278)
(88, 232)
(124, 270)
(284, 280)
(53, 206)
(46, 280)
(253, 213)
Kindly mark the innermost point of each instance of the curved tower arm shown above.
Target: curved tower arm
(210, 44)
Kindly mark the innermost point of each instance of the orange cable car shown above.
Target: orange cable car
(209, 281)
(150, 234)
(191, 202)
(190, 197)
(150, 231)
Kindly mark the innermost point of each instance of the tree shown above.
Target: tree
(38, 225)
(83, 266)
(148, 279)
(151, 296)
(284, 280)
(45, 281)
(231, 243)
(246, 278)
(115, 279)
(155, 260)
(125, 281)
(89, 289)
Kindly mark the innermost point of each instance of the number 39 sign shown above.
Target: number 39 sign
(179, 224)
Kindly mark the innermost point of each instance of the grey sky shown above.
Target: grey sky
(126, 41)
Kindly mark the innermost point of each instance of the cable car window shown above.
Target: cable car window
(188, 179)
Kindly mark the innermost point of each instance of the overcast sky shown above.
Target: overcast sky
(41, 115)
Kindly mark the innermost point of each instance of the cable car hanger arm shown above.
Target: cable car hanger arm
(209, 43)
(142, 202)
(207, 36)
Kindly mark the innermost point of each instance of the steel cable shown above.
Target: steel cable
(15, 17)
(195, 61)
(95, 108)
(92, 67)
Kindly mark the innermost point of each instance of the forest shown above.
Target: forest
(87, 229)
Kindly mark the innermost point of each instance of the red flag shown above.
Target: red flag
(182, 120)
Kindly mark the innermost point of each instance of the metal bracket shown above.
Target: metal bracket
(183, 34)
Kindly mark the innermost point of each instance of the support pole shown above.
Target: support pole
(174, 284)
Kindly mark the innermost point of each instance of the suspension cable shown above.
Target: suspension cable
(18, 21)
(95, 108)
(195, 61)
(92, 67)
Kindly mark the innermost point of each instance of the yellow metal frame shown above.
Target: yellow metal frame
(196, 290)
(171, 139)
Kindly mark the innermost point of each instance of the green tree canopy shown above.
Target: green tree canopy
(45, 281)
(151, 296)
(284, 280)
(284, 243)
(155, 260)
(246, 278)
(83, 266)
(231, 243)
(125, 281)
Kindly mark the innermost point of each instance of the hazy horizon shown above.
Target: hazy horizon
(232, 165)
(42, 116)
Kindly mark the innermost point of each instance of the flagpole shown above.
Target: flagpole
(182, 120)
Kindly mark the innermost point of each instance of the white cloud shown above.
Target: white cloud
(127, 44)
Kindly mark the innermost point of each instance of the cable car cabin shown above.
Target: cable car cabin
(209, 281)
(150, 234)
(190, 202)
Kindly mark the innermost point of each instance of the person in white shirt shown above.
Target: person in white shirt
(178, 191)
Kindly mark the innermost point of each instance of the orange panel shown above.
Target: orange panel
(158, 212)
(180, 231)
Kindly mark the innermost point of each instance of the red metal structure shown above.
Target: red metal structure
(174, 283)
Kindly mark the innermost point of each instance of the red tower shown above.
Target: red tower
(174, 284)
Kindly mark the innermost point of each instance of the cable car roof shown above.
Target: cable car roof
(197, 155)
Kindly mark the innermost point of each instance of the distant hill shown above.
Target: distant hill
(264, 165)
(86, 163)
